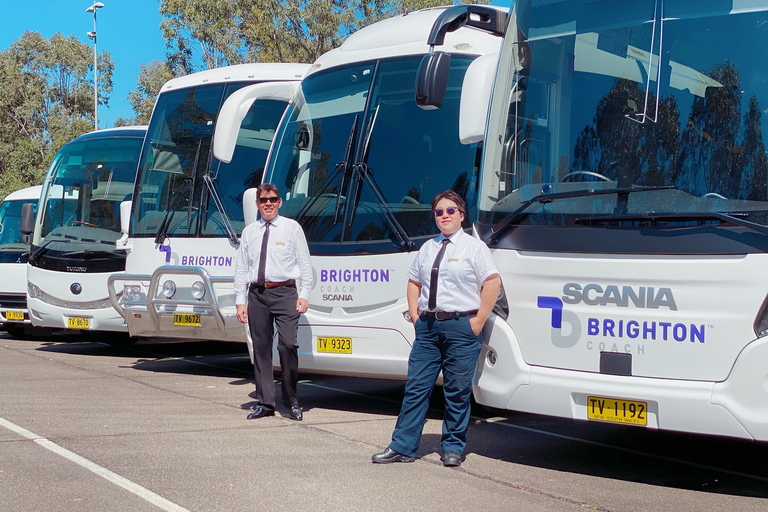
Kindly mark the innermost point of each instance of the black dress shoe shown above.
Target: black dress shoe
(451, 459)
(260, 412)
(389, 455)
(296, 413)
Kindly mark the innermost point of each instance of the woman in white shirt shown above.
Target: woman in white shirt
(453, 285)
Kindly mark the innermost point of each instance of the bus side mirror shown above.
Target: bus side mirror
(432, 80)
(475, 98)
(250, 210)
(125, 216)
(234, 110)
(27, 223)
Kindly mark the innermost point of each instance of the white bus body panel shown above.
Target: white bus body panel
(700, 369)
(381, 336)
(59, 303)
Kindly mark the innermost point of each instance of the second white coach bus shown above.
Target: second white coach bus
(187, 209)
(624, 194)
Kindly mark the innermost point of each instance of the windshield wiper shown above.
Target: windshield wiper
(34, 254)
(683, 217)
(365, 175)
(162, 231)
(340, 167)
(556, 196)
(191, 195)
(211, 187)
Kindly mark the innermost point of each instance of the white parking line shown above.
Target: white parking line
(116, 479)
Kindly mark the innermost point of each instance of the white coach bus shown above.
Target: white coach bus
(188, 211)
(76, 227)
(357, 163)
(624, 193)
(14, 251)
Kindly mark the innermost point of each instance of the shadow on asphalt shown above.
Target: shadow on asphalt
(685, 461)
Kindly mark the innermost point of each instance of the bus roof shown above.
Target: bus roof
(122, 131)
(407, 34)
(240, 72)
(25, 194)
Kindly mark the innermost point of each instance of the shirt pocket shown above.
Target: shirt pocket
(459, 270)
(284, 252)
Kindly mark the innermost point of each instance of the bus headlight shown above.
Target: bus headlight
(34, 291)
(490, 357)
(198, 290)
(169, 288)
(132, 292)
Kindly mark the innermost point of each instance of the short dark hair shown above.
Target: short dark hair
(453, 196)
(267, 187)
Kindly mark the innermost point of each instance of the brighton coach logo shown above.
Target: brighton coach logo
(561, 337)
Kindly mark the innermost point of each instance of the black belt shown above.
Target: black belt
(274, 284)
(448, 315)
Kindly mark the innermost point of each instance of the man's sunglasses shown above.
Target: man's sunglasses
(451, 211)
(265, 200)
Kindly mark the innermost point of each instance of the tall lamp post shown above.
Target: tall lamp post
(92, 36)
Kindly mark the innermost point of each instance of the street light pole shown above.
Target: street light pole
(92, 36)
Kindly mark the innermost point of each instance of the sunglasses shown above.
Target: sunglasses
(265, 200)
(451, 211)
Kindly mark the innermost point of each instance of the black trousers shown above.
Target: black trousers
(266, 305)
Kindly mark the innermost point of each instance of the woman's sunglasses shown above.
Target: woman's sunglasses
(451, 211)
(265, 200)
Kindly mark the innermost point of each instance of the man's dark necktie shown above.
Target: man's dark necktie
(433, 278)
(261, 278)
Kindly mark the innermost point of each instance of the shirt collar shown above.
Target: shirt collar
(273, 221)
(452, 238)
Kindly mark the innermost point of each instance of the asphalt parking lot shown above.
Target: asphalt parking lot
(161, 426)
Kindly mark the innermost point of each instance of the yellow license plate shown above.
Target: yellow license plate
(617, 411)
(12, 314)
(334, 345)
(192, 319)
(78, 323)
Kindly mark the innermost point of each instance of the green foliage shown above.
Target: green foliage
(302, 30)
(206, 24)
(150, 81)
(222, 32)
(46, 101)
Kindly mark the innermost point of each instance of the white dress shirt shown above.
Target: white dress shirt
(466, 264)
(287, 256)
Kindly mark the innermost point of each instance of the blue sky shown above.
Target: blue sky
(128, 29)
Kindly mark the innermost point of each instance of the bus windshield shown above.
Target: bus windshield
(358, 161)
(11, 244)
(181, 189)
(84, 188)
(662, 94)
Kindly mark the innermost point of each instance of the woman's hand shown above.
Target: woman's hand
(476, 324)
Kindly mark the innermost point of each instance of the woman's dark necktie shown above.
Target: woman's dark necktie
(432, 304)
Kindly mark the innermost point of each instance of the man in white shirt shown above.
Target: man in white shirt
(273, 258)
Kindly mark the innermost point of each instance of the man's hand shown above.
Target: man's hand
(302, 305)
(242, 313)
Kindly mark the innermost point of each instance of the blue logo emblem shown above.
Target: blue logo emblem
(560, 316)
(167, 250)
